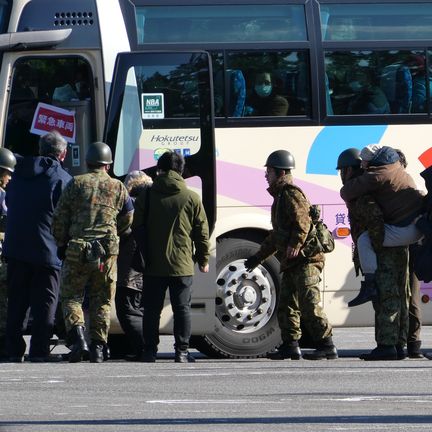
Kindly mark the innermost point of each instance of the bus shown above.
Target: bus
(190, 76)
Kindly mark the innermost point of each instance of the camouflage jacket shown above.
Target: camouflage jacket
(366, 215)
(92, 206)
(291, 224)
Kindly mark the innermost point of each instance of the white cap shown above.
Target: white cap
(368, 153)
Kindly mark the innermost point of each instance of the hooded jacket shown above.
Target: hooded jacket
(32, 195)
(392, 187)
(177, 229)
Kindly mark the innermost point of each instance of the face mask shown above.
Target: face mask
(263, 90)
(355, 86)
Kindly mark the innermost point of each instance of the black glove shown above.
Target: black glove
(61, 253)
(251, 263)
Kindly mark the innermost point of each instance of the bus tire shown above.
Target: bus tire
(246, 323)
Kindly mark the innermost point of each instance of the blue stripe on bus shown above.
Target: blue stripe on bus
(332, 140)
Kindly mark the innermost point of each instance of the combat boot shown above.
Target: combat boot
(413, 349)
(325, 350)
(381, 352)
(106, 352)
(79, 346)
(96, 352)
(288, 350)
(367, 292)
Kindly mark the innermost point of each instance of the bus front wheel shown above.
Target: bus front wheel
(246, 323)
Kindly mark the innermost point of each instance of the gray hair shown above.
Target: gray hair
(52, 144)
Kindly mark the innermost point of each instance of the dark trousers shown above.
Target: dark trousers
(153, 299)
(37, 287)
(130, 315)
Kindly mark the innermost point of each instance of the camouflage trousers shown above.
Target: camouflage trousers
(3, 299)
(300, 300)
(99, 284)
(391, 308)
(415, 312)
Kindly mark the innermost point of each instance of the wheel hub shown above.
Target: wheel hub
(245, 301)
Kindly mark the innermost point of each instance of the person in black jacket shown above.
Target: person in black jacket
(129, 280)
(30, 249)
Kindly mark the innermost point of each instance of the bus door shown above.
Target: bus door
(163, 101)
(50, 92)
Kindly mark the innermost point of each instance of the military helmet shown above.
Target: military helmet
(349, 158)
(7, 160)
(99, 153)
(281, 159)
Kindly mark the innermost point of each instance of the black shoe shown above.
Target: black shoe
(3, 352)
(16, 359)
(428, 355)
(381, 352)
(51, 358)
(400, 351)
(132, 357)
(184, 357)
(367, 293)
(96, 352)
(288, 350)
(325, 350)
(78, 345)
(147, 357)
(413, 349)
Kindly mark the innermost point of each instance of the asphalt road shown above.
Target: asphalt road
(222, 395)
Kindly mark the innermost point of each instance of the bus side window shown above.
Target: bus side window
(374, 82)
(277, 83)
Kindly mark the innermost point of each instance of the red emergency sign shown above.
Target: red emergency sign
(49, 117)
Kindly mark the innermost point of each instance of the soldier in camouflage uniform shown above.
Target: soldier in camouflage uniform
(391, 305)
(7, 165)
(415, 312)
(299, 293)
(93, 210)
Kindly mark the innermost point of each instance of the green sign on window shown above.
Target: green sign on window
(153, 106)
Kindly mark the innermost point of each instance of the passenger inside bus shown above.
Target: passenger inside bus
(264, 100)
(396, 83)
(417, 66)
(367, 96)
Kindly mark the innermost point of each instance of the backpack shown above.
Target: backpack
(323, 234)
(320, 239)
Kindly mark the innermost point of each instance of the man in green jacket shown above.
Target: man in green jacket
(176, 232)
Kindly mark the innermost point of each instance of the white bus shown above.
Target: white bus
(189, 77)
